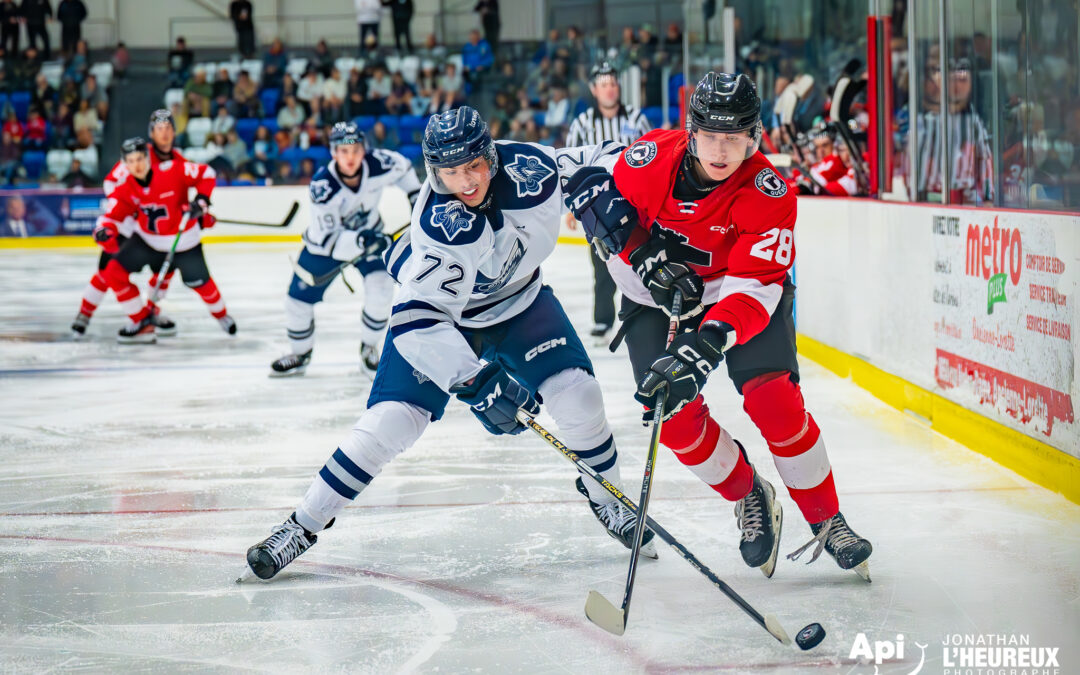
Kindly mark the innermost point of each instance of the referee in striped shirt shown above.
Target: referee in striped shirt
(608, 120)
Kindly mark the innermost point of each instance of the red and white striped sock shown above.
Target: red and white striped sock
(212, 297)
(127, 294)
(164, 284)
(708, 450)
(94, 293)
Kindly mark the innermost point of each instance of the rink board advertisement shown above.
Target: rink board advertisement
(45, 213)
(976, 305)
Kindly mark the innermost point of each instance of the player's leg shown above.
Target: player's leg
(765, 370)
(93, 294)
(603, 297)
(378, 299)
(166, 327)
(400, 406)
(540, 349)
(196, 276)
(300, 301)
(132, 257)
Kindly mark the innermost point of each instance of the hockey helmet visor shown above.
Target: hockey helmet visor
(724, 104)
(458, 151)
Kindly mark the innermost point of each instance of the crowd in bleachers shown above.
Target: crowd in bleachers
(53, 116)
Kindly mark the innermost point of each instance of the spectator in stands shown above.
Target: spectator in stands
(84, 142)
(577, 52)
(274, 63)
(283, 138)
(236, 152)
(215, 144)
(312, 133)
(197, 94)
(432, 50)
(673, 37)
(36, 131)
(180, 119)
(647, 41)
(245, 99)
(334, 94)
(628, 48)
(283, 174)
(310, 89)
(651, 83)
(357, 92)
(36, 13)
(489, 19)
(549, 47)
(120, 61)
(240, 11)
(307, 171)
(13, 126)
(427, 82)
(560, 74)
(288, 86)
(290, 115)
(401, 12)
(10, 156)
(538, 79)
(69, 93)
(180, 60)
(524, 110)
(506, 80)
(378, 89)
(76, 177)
(399, 101)
(476, 58)
(44, 96)
(382, 138)
(86, 118)
(70, 14)
(263, 153)
(97, 96)
(25, 71)
(368, 16)
(9, 27)
(323, 60)
(62, 127)
(222, 90)
(78, 63)
(557, 111)
(223, 122)
(450, 93)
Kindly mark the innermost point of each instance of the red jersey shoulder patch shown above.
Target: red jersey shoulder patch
(640, 153)
(770, 184)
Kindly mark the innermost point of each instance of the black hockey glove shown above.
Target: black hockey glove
(592, 197)
(662, 277)
(495, 399)
(683, 368)
(107, 239)
(199, 207)
(373, 242)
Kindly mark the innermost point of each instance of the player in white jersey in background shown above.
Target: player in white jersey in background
(474, 319)
(345, 228)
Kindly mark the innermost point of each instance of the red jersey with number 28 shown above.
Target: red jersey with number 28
(739, 237)
(159, 206)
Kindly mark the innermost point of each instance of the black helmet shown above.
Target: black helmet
(160, 116)
(726, 103)
(133, 144)
(600, 69)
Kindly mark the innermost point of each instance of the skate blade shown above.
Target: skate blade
(778, 522)
(166, 332)
(295, 372)
(604, 614)
(863, 570)
(649, 550)
(246, 576)
(138, 340)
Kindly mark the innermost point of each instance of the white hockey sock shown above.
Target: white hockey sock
(378, 298)
(300, 324)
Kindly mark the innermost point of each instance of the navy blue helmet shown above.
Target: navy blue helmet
(456, 137)
(346, 133)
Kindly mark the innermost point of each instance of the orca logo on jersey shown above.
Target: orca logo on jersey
(543, 347)
(771, 184)
(452, 217)
(487, 285)
(639, 154)
(320, 190)
(529, 174)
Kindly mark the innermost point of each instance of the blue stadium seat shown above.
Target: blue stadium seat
(655, 115)
(245, 129)
(318, 153)
(292, 156)
(674, 82)
(3, 104)
(365, 122)
(20, 100)
(271, 124)
(411, 127)
(539, 118)
(242, 182)
(270, 99)
(33, 161)
(411, 151)
(391, 122)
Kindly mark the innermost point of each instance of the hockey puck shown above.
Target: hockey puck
(810, 637)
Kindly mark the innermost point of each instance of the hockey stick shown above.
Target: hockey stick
(285, 223)
(155, 292)
(767, 621)
(599, 609)
(310, 280)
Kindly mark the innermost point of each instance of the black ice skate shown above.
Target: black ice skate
(619, 522)
(78, 326)
(228, 324)
(599, 334)
(290, 364)
(138, 333)
(285, 543)
(850, 551)
(165, 326)
(369, 358)
(761, 519)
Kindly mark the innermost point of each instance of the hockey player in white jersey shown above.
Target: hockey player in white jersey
(345, 227)
(472, 319)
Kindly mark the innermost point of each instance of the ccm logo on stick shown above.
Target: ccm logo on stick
(543, 347)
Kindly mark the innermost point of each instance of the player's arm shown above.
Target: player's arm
(590, 193)
(107, 228)
(203, 178)
(405, 175)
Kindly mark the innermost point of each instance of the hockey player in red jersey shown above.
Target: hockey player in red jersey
(156, 194)
(162, 136)
(702, 212)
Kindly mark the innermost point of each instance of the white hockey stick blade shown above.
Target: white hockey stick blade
(604, 614)
(773, 626)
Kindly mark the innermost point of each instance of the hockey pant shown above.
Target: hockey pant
(136, 254)
(95, 291)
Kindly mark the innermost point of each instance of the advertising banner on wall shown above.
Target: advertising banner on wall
(40, 213)
(1004, 313)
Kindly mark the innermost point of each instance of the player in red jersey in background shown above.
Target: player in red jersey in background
(156, 194)
(702, 212)
(162, 135)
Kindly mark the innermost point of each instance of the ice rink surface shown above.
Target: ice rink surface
(133, 479)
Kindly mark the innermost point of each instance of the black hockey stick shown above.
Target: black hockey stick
(310, 280)
(285, 223)
(155, 292)
(599, 609)
(767, 621)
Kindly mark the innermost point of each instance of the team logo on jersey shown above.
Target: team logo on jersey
(529, 174)
(768, 182)
(486, 285)
(639, 154)
(355, 220)
(320, 190)
(385, 159)
(452, 217)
